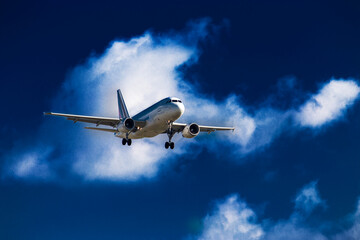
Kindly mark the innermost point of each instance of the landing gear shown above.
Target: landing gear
(169, 144)
(170, 133)
(128, 141)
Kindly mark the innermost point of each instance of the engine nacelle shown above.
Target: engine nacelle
(127, 125)
(191, 130)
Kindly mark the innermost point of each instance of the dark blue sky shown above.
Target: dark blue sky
(259, 43)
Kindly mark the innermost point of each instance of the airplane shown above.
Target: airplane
(157, 119)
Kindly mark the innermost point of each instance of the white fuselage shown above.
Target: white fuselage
(157, 117)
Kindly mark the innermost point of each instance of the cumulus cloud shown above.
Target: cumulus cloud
(329, 104)
(146, 68)
(232, 218)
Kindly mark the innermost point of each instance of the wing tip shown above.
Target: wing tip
(47, 113)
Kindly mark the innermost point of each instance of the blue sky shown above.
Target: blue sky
(284, 74)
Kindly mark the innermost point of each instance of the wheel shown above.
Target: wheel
(129, 142)
(167, 145)
(172, 145)
(124, 141)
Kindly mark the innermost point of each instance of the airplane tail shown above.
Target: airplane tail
(123, 112)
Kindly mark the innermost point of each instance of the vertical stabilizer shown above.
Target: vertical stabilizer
(123, 112)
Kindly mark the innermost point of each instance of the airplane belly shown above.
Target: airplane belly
(156, 123)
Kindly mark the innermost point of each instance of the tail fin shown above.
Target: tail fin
(123, 112)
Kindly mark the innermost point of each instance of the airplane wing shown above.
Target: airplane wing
(178, 127)
(112, 122)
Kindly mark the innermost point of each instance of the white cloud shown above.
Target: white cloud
(233, 219)
(329, 104)
(146, 69)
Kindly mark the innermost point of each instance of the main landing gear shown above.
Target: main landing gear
(128, 141)
(169, 144)
(170, 132)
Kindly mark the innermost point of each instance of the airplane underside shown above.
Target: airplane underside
(156, 124)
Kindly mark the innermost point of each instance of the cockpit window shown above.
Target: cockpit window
(174, 100)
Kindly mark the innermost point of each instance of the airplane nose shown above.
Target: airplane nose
(182, 108)
(179, 110)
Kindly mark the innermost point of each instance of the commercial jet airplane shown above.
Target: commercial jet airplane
(157, 119)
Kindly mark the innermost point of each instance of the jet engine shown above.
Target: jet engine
(127, 125)
(191, 130)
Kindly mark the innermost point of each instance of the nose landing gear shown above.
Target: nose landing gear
(170, 133)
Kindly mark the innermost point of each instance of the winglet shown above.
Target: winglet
(123, 112)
